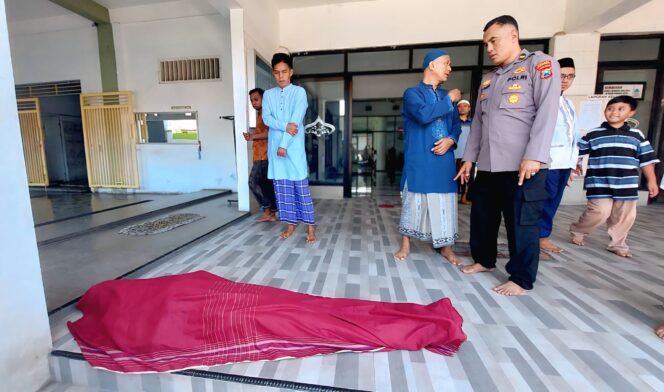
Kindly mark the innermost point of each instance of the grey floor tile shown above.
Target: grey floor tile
(554, 338)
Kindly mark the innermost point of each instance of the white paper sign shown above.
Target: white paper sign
(591, 112)
(633, 90)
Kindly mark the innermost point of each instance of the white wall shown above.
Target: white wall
(584, 49)
(57, 48)
(393, 22)
(26, 339)
(66, 47)
(261, 27)
(141, 42)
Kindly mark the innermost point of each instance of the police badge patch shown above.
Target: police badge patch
(514, 98)
(519, 70)
(544, 69)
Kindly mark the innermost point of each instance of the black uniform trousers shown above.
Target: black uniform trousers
(496, 194)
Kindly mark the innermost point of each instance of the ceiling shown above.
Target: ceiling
(20, 10)
(127, 3)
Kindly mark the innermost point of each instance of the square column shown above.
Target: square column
(26, 336)
(240, 106)
(584, 49)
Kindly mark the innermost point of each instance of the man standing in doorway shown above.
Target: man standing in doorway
(510, 139)
(564, 153)
(431, 127)
(284, 108)
(260, 185)
(464, 117)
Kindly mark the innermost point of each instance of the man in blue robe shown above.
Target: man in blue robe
(432, 129)
(284, 108)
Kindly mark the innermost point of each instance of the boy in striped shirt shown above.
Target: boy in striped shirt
(612, 180)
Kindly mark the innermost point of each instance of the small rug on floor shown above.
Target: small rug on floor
(463, 249)
(161, 225)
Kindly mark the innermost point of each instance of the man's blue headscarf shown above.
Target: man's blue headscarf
(431, 56)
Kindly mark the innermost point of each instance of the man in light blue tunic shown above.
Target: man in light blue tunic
(432, 129)
(284, 108)
(564, 154)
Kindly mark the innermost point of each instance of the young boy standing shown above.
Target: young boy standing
(615, 154)
(284, 108)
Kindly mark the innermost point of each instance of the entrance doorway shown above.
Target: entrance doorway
(378, 138)
(637, 61)
(374, 78)
(63, 141)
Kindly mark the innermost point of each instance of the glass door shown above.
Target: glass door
(324, 127)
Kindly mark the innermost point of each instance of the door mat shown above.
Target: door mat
(463, 249)
(161, 225)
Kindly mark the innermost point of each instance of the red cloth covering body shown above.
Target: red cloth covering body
(199, 319)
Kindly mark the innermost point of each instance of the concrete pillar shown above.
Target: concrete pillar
(26, 337)
(99, 15)
(240, 105)
(584, 49)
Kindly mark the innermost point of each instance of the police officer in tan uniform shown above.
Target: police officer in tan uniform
(510, 140)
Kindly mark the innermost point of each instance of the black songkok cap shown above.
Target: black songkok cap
(566, 62)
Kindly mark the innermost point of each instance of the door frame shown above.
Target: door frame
(26, 107)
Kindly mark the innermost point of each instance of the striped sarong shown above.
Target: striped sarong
(429, 217)
(294, 201)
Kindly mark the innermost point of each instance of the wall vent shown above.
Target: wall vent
(47, 89)
(184, 70)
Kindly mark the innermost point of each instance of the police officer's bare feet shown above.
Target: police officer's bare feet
(576, 240)
(659, 331)
(548, 246)
(288, 232)
(475, 268)
(404, 251)
(448, 253)
(620, 252)
(509, 289)
(311, 234)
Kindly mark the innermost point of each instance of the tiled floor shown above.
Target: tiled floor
(64, 215)
(53, 206)
(587, 326)
(70, 266)
(378, 185)
(62, 387)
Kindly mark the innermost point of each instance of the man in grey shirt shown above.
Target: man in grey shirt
(510, 140)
